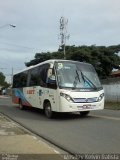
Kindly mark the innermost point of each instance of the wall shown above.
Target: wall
(112, 89)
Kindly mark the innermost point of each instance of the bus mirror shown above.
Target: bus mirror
(49, 74)
(51, 81)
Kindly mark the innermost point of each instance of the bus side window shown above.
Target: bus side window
(37, 76)
(33, 77)
(43, 75)
(20, 80)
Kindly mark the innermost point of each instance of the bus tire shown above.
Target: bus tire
(47, 109)
(21, 105)
(84, 113)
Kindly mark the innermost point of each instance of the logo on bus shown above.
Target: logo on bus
(31, 91)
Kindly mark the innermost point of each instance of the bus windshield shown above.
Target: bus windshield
(77, 75)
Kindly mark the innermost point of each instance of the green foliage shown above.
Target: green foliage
(2, 81)
(103, 58)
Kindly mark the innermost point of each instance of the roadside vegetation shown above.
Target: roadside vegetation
(112, 105)
(3, 83)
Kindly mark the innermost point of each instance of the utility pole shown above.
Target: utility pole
(12, 77)
(63, 34)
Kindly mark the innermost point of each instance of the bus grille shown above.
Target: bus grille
(85, 100)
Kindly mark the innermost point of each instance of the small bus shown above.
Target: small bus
(59, 86)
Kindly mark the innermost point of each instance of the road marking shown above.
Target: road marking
(34, 137)
(57, 152)
(107, 117)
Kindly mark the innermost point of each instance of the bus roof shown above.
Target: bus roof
(51, 61)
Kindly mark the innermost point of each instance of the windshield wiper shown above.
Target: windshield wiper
(77, 78)
(88, 81)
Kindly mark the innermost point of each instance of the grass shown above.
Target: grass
(112, 105)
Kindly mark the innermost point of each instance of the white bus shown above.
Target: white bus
(59, 86)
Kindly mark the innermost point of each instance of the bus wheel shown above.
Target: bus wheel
(48, 110)
(21, 105)
(84, 113)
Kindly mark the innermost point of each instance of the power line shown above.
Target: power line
(16, 45)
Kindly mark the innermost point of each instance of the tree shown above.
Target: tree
(103, 58)
(2, 81)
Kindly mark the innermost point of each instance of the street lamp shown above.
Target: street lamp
(10, 25)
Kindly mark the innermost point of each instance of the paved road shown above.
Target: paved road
(97, 133)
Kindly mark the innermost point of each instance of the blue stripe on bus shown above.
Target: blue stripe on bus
(19, 93)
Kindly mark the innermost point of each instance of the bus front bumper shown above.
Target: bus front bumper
(66, 106)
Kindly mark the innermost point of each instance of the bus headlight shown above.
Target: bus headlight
(100, 97)
(67, 97)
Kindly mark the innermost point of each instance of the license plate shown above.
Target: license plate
(86, 106)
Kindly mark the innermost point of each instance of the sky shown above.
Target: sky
(90, 22)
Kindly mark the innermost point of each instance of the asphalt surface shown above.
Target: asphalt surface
(97, 133)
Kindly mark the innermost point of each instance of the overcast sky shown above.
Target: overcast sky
(37, 27)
